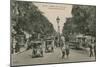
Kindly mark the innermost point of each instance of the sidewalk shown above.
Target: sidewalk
(22, 49)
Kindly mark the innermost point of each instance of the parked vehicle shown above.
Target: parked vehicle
(82, 41)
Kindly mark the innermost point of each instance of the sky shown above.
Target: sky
(51, 11)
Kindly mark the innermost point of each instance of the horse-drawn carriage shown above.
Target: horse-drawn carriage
(37, 49)
(49, 45)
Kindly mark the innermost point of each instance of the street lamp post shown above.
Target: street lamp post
(58, 20)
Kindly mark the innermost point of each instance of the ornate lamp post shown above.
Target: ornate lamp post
(58, 20)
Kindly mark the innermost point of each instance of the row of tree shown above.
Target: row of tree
(25, 16)
(83, 21)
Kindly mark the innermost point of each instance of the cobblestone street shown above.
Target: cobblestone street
(25, 58)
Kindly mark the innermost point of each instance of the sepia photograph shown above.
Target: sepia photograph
(51, 33)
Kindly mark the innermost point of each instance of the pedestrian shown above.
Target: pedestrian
(12, 50)
(95, 50)
(91, 52)
(28, 44)
(55, 41)
(63, 51)
(34, 49)
(67, 50)
(63, 39)
(65, 47)
(17, 47)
